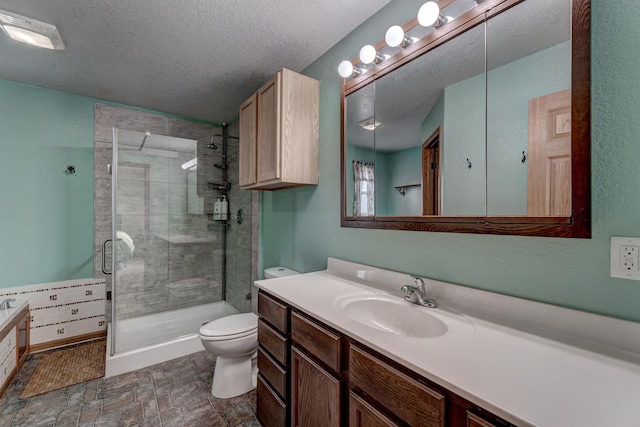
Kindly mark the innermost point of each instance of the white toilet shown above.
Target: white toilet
(234, 340)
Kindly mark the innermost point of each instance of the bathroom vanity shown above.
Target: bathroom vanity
(342, 347)
(14, 340)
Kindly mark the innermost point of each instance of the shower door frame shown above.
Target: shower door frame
(114, 190)
(114, 228)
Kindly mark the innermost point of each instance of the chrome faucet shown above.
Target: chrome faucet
(417, 294)
(5, 304)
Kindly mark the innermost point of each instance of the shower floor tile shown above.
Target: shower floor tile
(174, 393)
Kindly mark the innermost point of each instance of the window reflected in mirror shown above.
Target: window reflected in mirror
(360, 153)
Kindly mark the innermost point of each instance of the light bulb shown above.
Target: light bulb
(429, 15)
(345, 69)
(395, 37)
(369, 55)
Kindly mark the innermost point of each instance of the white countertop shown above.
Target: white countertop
(7, 315)
(527, 378)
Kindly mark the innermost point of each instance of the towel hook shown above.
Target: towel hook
(524, 158)
(468, 164)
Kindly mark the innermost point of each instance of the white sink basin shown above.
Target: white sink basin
(393, 315)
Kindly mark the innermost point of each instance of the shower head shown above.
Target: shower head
(212, 145)
(147, 134)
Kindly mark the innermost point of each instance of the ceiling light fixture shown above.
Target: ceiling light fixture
(369, 124)
(369, 55)
(395, 37)
(429, 15)
(346, 69)
(30, 31)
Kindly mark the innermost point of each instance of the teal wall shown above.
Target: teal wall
(46, 217)
(405, 168)
(463, 137)
(301, 227)
(383, 190)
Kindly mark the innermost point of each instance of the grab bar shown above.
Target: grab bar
(104, 257)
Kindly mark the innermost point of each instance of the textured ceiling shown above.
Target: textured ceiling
(194, 58)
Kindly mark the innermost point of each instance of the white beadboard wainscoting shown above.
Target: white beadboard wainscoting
(62, 311)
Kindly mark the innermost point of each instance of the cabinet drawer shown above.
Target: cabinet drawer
(411, 401)
(270, 410)
(273, 342)
(272, 372)
(318, 341)
(273, 312)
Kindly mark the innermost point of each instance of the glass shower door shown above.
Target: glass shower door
(164, 251)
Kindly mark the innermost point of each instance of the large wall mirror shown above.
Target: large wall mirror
(480, 125)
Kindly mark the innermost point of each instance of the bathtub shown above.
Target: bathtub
(149, 340)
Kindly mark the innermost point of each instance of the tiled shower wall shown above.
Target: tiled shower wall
(164, 272)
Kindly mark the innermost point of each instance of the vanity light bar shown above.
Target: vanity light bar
(428, 16)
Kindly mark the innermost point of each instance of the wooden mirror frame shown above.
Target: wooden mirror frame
(578, 225)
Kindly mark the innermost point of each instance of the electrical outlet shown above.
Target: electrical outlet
(625, 258)
(629, 258)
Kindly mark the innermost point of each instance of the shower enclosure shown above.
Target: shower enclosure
(171, 266)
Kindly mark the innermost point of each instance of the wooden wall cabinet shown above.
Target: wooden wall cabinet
(279, 133)
(333, 380)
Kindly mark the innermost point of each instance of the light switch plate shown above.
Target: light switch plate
(625, 254)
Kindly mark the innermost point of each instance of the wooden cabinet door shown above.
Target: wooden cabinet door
(248, 137)
(315, 393)
(268, 100)
(270, 410)
(475, 421)
(362, 414)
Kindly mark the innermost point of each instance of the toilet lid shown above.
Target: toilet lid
(236, 324)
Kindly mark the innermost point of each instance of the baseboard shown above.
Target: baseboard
(66, 341)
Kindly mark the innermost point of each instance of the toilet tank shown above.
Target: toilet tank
(273, 272)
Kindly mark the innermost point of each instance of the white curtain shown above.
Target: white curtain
(363, 200)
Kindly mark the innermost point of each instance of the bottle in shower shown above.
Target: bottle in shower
(224, 209)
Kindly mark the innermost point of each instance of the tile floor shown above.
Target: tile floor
(174, 393)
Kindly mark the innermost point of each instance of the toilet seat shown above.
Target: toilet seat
(230, 327)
